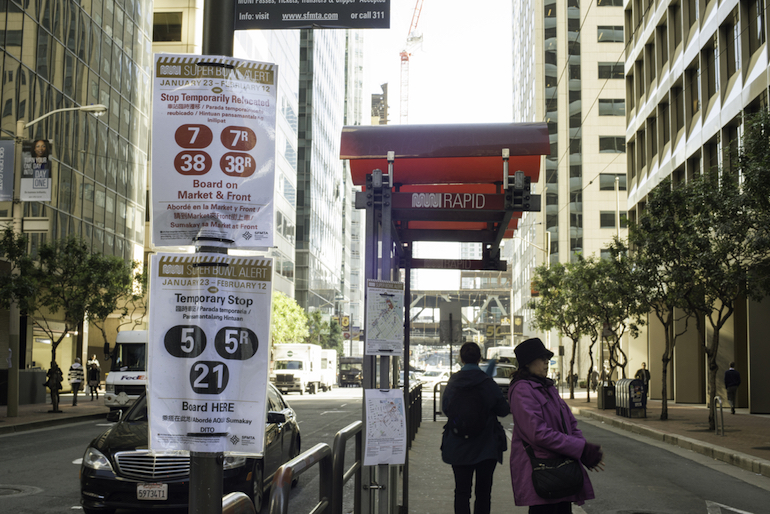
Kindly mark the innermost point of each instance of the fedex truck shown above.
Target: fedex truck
(296, 367)
(127, 378)
(328, 369)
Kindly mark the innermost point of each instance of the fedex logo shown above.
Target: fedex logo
(137, 377)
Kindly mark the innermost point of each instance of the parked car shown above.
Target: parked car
(433, 377)
(118, 472)
(414, 379)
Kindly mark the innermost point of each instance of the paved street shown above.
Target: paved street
(645, 472)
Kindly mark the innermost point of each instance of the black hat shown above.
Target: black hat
(531, 349)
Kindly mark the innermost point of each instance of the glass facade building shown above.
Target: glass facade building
(320, 183)
(61, 54)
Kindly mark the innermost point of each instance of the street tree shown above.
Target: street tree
(666, 246)
(63, 284)
(327, 334)
(128, 304)
(289, 323)
(559, 307)
(610, 302)
(732, 268)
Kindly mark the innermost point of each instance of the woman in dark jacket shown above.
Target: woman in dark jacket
(478, 453)
(544, 421)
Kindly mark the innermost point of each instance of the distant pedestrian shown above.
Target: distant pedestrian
(93, 380)
(54, 378)
(732, 381)
(473, 440)
(76, 377)
(643, 374)
(544, 425)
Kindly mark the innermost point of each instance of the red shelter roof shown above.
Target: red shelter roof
(445, 154)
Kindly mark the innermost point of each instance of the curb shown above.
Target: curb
(34, 425)
(741, 460)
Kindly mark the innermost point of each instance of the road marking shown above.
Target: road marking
(334, 412)
(78, 461)
(718, 508)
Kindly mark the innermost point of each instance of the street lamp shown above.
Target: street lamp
(14, 329)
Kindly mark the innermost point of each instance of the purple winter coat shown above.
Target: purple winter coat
(537, 421)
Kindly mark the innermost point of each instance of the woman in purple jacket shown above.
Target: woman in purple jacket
(544, 421)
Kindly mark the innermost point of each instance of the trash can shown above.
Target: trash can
(606, 396)
(631, 402)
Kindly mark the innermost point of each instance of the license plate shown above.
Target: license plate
(152, 491)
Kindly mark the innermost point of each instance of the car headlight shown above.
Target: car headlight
(234, 462)
(95, 459)
(109, 388)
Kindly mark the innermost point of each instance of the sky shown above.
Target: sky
(462, 72)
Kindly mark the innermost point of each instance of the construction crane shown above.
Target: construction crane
(413, 38)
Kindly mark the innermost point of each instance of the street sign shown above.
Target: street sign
(312, 14)
(384, 318)
(213, 151)
(208, 352)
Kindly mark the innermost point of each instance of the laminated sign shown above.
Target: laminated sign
(213, 151)
(208, 352)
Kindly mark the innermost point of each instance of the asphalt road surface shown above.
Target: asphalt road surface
(39, 469)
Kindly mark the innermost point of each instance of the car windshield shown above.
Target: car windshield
(504, 372)
(288, 364)
(433, 373)
(139, 411)
(129, 357)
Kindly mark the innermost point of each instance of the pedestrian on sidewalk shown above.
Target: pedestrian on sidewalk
(643, 374)
(543, 422)
(732, 381)
(54, 378)
(93, 380)
(473, 439)
(76, 377)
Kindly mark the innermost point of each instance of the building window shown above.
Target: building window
(609, 3)
(607, 219)
(612, 144)
(612, 107)
(610, 33)
(693, 90)
(611, 70)
(607, 182)
(166, 26)
(756, 20)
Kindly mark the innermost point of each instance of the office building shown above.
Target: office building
(693, 68)
(568, 71)
(67, 54)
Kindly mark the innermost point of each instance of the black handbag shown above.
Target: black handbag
(555, 478)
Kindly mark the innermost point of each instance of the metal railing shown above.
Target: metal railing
(717, 422)
(319, 454)
(237, 503)
(340, 477)
(436, 409)
(415, 412)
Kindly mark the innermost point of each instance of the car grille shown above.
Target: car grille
(284, 378)
(132, 390)
(142, 465)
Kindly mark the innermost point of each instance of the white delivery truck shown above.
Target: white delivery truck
(127, 377)
(296, 367)
(500, 352)
(328, 369)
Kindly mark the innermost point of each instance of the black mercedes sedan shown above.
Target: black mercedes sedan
(118, 472)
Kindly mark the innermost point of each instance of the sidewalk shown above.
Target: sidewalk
(36, 416)
(746, 444)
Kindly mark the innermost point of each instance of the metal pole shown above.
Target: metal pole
(218, 27)
(206, 469)
(14, 328)
(407, 367)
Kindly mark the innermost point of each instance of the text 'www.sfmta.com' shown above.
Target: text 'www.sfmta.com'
(309, 16)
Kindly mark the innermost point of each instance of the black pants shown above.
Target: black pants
(463, 482)
(552, 508)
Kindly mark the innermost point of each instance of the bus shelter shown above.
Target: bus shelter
(456, 182)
